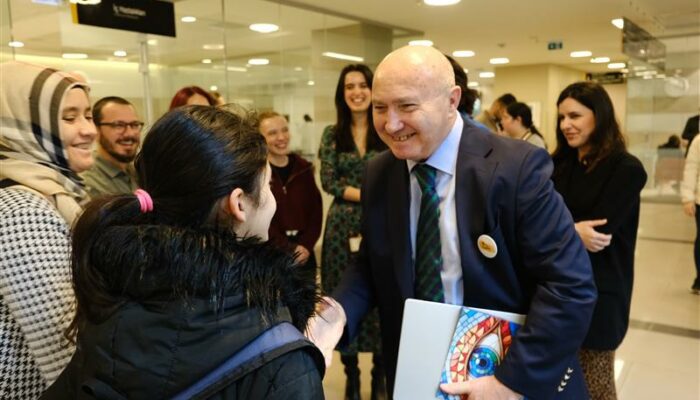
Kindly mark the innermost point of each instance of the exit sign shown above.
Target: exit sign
(555, 45)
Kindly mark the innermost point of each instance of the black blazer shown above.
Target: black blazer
(503, 189)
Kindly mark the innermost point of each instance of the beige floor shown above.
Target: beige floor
(650, 364)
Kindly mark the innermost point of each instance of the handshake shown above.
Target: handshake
(326, 327)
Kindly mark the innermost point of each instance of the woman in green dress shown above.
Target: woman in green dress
(345, 149)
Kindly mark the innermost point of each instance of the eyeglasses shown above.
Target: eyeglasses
(121, 125)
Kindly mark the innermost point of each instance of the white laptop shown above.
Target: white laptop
(426, 333)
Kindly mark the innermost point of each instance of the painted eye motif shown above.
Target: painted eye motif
(485, 357)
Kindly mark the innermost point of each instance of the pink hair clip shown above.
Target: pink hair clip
(145, 200)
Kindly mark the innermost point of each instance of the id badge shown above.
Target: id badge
(355, 243)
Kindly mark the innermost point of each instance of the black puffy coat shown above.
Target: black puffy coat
(156, 343)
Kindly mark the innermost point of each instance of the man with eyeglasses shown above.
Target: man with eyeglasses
(119, 136)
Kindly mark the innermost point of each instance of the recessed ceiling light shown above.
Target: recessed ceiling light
(213, 46)
(298, 68)
(86, 2)
(152, 42)
(473, 84)
(188, 18)
(463, 53)
(206, 61)
(499, 60)
(74, 56)
(466, 70)
(264, 28)
(439, 3)
(422, 42)
(213, 87)
(487, 74)
(16, 43)
(310, 83)
(236, 69)
(581, 53)
(119, 53)
(618, 65)
(639, 68)
(618, 22)
(341, 56)
(600, 60)
(258, 61)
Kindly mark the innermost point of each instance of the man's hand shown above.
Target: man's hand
(326, 327)
(486, 388)
(592, 239)
(689, 208)
(302, 255)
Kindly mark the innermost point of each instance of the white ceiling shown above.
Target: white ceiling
(515, 29)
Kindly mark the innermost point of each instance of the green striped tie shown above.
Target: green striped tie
(428, 255)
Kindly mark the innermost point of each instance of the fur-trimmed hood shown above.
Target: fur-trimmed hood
(189, 300)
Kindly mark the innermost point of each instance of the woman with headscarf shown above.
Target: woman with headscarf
(46, 138)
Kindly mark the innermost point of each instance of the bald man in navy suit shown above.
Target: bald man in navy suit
(507, 241)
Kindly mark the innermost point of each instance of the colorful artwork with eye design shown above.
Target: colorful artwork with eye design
(478, 345)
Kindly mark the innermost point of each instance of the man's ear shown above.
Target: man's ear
(455, 95)
(235, 205)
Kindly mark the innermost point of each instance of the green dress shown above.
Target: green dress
(338, 171)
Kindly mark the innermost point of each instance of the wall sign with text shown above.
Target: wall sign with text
(146, 16)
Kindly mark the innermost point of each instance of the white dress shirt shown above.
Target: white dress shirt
(444, 160)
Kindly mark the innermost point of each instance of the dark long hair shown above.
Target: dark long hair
(343, 125)
(523, 111)
(192, 158)
(606, 138)
(182, 95)
(469, 96)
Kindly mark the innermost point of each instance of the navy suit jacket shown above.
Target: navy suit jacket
(503, 189)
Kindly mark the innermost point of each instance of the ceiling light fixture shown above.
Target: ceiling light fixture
(440, 3)
(119, 53)
(473, 84)
(86, 2)
(258, 61)
(617, 65)
(15, 43)
(264, 28)
(466, 70)
(74, 56)
(581, 53)
(463, 53)
(421, 42)
(236, 69)
(618, 22)
(213, 87)
(188, 18)
(298, 69)
(600, 60)
(310, 83)
(213, 46)
(152, 42)
(487, 74)
(206, 61)
(341, 56)
(499, 60)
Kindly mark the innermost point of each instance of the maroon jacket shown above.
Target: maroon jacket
(299, 207)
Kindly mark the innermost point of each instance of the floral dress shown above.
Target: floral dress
(338, 171)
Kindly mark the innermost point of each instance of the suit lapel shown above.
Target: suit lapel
(398, 206)
(474, 173)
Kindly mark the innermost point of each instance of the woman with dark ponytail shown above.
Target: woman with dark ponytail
(517, 123)
(172, 281)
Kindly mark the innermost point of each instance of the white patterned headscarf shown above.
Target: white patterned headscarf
(31, 151)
